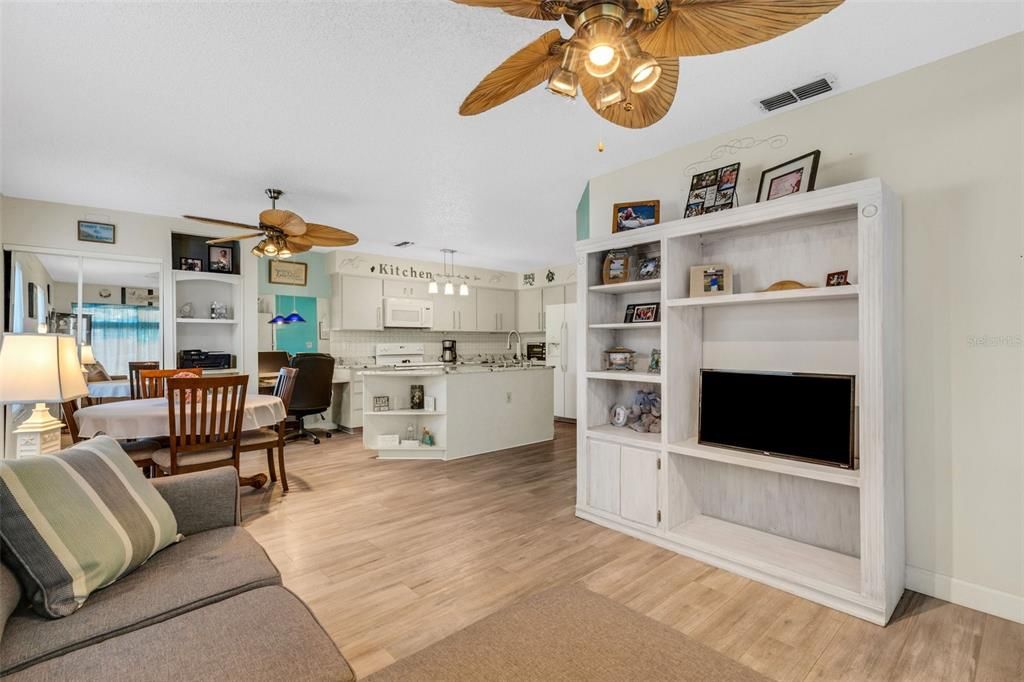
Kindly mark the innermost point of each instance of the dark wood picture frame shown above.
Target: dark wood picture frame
(712, 190)
(286, 264)
(771, 174)
(646, 306)
(652, 204)
(87, 226)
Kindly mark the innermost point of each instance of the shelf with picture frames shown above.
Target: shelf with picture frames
(830, 535)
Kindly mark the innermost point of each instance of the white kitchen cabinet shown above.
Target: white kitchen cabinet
(400, 288)
(638, 485)
(603, 475)
(495, 310)
(529, 311)
(623, 480)
(455, 313)
(361, 300)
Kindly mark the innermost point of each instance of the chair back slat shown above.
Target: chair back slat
(68, 410)
(134, 382)
(205, 414)
(285, 386)
(152, 382)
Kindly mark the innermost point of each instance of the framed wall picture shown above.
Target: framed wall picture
(645, 312)
(712, 190)
(635, 214)
(712, 279)
(837, 279)
(793, 177)
(190, 264)
(101, 233)
(221, 259)
(290, 272)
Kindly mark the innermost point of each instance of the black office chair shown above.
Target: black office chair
(312, 391)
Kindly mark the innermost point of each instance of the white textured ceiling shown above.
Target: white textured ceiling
(351, 107)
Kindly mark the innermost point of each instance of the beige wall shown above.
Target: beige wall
(947, 137)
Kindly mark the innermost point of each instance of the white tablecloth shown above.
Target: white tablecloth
(117, 388)
(148, 418)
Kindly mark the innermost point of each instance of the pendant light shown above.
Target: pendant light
(277, 319)
(449, 287)
(294, 316)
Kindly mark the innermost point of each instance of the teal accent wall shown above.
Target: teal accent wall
(299, 337)
(583, 215)
(318, 283)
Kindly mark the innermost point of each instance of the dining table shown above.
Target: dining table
(148, 418)
(114, 388)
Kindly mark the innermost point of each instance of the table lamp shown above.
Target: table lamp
(40, 369)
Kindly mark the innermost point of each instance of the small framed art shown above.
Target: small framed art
(101, 233)
(712, 190)
(289, 272)
(381, 403)
(645, 312)
(630, 308)
(635, 214)
(837, 279)
(190, 264)
(221, 259)
(617, 267)
(650, 268)
(713, 279)
(793, 177)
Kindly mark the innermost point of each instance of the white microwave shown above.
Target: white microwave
(408, 312)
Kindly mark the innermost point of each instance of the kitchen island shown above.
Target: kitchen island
(476, 409)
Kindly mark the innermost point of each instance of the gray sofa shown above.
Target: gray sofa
(209, 607)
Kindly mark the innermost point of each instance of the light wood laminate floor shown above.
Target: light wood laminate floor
(393, 556)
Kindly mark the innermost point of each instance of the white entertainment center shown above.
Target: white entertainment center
(832, 535)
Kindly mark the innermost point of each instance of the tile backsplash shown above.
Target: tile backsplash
(357, 347)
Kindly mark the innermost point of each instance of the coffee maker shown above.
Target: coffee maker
(448, 353)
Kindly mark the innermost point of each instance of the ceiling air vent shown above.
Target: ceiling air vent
(798, 94)
(402, 245)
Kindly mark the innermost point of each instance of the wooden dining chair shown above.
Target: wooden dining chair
(134, 382)
(269, 438)
(152, 382)
(205, 422)
(139, 449)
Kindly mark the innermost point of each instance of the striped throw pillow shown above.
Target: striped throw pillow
(77, 521)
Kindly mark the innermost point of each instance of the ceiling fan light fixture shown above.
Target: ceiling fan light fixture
(270, 249)
(644, 74)
(258, 249)
(609, 61)
(608, 94)
(564, 82)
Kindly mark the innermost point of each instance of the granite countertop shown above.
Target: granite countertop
(458, 369)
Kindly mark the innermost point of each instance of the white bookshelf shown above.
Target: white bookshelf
(201, 332)
(825, 533)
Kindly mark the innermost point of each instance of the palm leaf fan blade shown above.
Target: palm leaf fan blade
(638, 110)
(699, 27)
(324, 235)
(530, 9)
(524, 70)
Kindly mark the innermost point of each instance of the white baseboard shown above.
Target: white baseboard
(978, 597)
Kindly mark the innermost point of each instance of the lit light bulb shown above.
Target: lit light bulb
(601, 55)
(284, 253)
(463, 289)
(270, 249)
(448, 289)
(432, 287)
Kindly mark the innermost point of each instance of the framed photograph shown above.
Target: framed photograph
(837, 279)
(617, 266)
(221, 258)
(101, 233)
(654, 365)
(645, 312)
(713, 279)
(292, 273)
(635, 214)
(323, 333)
(629, 313)
(650, 268)
(712, 190)
(793, 177)
(381, 403)
(138, 297)
(190, 264)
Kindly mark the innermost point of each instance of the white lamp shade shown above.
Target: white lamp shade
(40, 368)
(463, 289)
(449, 289)
(87, 357)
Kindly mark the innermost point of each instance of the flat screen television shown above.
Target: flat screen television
(810, 417)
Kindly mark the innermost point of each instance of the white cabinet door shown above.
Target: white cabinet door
(603, 476)
(529, 311)
(361, 299)
(638, 481)
(336, 302)
(400, 288)
(495, 310)
(550, 296)
(465, 311)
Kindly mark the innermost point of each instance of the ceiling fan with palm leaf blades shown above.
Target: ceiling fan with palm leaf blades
(283, 233)
(624, 53)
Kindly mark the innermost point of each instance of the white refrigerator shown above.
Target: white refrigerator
(560, 339)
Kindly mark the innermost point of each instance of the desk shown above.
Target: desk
(148, 419)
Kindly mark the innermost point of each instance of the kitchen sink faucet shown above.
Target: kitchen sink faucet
(519, 345)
